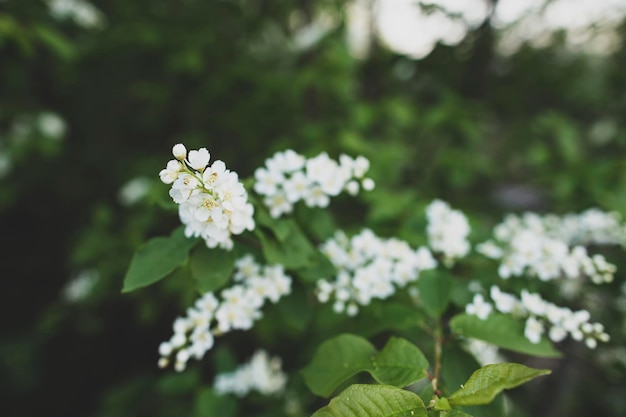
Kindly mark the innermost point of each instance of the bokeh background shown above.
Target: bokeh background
(493, 105)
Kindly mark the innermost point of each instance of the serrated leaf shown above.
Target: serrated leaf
(157, 258)
(211, 269)
(374, 401)
(501, 330)
(399, 363)
(434, 289)
(487, 382)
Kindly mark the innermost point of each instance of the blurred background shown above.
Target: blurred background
(493, 105)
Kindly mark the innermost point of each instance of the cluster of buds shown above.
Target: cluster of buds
(213, 204)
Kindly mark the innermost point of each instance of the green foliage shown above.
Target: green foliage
(487, 382)
(539, 128)
(373, 401)
(157, 258)
(501, 330)
(435, 287)
(211, 269)
(399, 363)
(287, 246)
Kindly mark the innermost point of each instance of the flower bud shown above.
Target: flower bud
(179, 151)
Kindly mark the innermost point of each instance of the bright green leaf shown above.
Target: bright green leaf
(487, 382)
(501, 330)
(434, 288)
(441, 404)
(374, 401)
(211, 269)
(399, 363)
(155, 259)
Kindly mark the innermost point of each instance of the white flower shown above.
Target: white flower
(505, 303)
(81, 286)
(368, 268)
(237, 308)
(533, 330)
(82, 13)
(180, 152)
(199, 159)
(213, 203)
(288, 178)
(261, 373)
(51, 125)
(267, 181)
(296, 187)
(447, 231)
(534, 303)
(134, 190)
(171, 171)
(479, 307)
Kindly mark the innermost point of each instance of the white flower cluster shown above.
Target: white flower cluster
(262, 374)
(289, 177)
(236, 309)
(447, 231)
(369, 267)
(539, 315)
(550, 247)
(84, 14)
(213, 204)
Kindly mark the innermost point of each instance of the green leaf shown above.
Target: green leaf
(210, 404)
(155, 259)
(335, 361)
(434, 289)
(293, 251)
(383, 315)
(487, 382)
(61, 46)
(374, 401)
(280, 228)
(399, 363)
(501, 330)
(211, 269)
(441, 404)
(320, 267)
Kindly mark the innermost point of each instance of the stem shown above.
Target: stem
(438, 353)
